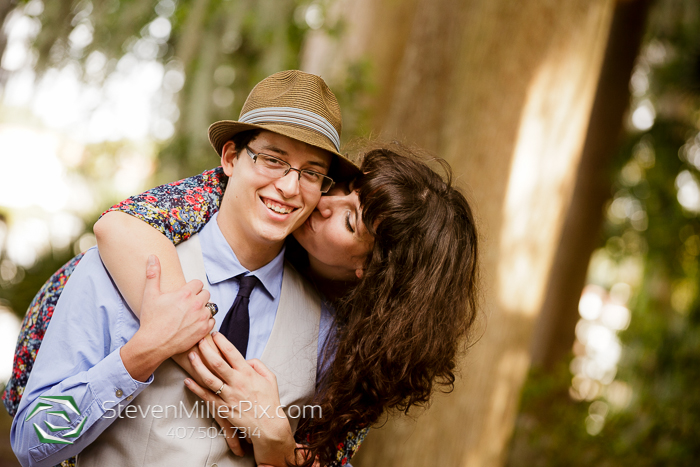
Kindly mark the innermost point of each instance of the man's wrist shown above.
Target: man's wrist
(141, 358)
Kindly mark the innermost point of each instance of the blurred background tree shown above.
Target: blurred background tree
(503, 91)
(642, 409)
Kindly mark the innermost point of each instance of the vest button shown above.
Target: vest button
(119, 393)
(129, 398)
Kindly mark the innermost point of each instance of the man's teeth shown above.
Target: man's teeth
(278, 209)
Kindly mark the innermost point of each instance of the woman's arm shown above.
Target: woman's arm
(153, 223)
(157, 220)
(125, 242)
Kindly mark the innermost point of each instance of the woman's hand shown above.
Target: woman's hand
(300, 458)
(231, 434)
(247, 396)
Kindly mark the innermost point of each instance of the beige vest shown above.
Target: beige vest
(183, 434)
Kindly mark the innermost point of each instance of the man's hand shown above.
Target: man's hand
(171, 323)
(174, 322)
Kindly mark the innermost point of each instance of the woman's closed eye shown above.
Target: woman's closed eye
(347, 223)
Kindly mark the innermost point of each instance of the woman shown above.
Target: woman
(410, 252)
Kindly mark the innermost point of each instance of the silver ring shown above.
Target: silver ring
(213, 309)
(220, 389)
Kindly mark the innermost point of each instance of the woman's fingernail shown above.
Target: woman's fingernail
(191, 355)
(213, 333)
(188, 381)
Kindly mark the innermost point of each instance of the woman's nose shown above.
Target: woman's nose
(325, 205)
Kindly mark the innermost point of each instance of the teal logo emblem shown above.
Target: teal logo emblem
(58, 407)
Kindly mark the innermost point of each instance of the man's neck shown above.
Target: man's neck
(252, 255)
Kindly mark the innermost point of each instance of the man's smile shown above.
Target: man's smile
(277, 207)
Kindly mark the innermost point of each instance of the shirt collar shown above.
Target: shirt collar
(221, 263)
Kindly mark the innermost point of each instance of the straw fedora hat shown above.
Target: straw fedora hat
(294, 104)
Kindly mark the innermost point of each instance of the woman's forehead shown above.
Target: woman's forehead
(355, 182)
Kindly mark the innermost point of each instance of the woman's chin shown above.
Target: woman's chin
(331, 273)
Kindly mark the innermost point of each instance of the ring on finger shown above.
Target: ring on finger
(220, 389)
(213, 309)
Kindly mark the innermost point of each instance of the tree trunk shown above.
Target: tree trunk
(554, 333)
(502, 90)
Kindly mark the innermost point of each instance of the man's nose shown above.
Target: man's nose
(288, 186)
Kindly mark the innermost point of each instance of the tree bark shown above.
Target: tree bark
(502, 90)
(554, 333)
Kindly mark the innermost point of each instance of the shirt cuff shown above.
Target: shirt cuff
(111, 384)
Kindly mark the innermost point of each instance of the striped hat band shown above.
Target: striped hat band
(295, 116)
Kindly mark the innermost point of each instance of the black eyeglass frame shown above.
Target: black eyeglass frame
(254, 156)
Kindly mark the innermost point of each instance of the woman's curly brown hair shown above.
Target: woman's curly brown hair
(401, 328)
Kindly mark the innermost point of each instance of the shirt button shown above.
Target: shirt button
(119, 393)
(129, 398)
(215, 465)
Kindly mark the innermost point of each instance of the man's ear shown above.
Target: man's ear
(229, 157)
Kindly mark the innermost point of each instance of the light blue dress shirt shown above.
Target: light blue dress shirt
(79, 356)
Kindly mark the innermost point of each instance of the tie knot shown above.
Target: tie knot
(247, 284)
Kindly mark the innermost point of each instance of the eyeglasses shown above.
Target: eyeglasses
(277, 168)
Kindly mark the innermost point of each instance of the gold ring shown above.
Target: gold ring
(213, 309)
(220, 389)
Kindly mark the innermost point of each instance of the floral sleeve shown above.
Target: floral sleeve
(178, 209)
(349, 447)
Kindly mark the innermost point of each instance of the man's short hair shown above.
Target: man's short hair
(243, 139)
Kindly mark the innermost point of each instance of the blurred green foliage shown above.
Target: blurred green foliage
(19, 294)
(222, 48)
(661, 348)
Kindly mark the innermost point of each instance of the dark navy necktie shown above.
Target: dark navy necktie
(236, 325)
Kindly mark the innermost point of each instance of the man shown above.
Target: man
(97, 356)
